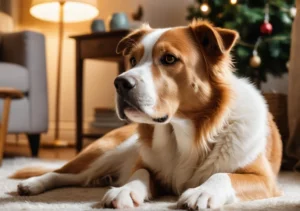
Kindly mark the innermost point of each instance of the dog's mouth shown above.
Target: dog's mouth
(131, 107)
(129, 110)
(161, 119)
(125, 106)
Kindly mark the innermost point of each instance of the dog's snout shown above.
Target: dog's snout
(124, 84)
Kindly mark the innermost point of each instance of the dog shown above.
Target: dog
(198, 131)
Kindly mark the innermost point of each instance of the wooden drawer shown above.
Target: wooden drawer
(96, 48)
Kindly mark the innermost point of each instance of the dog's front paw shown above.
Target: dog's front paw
(214, 193)
(121, 198)
(30, 187)
(197, 199)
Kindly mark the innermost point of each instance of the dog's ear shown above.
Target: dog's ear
(215, 41)
(229, 37)
(128, 42)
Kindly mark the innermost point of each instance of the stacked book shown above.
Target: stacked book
(106, 118)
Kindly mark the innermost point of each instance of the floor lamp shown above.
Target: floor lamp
(62, 11)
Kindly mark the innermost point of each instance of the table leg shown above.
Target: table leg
(79, 101)
(4, 125)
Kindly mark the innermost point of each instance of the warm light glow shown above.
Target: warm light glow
(73, 11)
(233, 1)
(204, 7)
(6, 23)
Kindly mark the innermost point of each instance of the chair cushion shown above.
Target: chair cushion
(19, 116)
(14, 76)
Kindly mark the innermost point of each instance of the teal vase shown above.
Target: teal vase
(119, 21)
(98, 25)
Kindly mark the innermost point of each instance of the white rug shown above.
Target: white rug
(87, 198)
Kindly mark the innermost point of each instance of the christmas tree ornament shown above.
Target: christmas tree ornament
(293, 12)
(204, 8)
(255, 61)
(266, 28)
(233, 1)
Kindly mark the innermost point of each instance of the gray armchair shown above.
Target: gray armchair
(23, 66)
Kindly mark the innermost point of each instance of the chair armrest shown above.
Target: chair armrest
(27, 49)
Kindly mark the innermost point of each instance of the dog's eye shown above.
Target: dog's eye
(132, 61)
(168, 59)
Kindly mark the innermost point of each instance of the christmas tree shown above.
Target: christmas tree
(264, 28)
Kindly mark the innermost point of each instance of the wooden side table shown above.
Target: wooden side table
(100, 46)
(7, 94)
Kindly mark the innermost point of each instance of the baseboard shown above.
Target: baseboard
(68, 125)
(67, 132)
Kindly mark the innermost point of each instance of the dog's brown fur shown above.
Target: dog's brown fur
(208, 49)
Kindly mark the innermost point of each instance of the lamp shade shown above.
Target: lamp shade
(74, 10)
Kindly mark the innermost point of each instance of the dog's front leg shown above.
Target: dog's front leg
(225, 188)
(132, 194)
(213, 193)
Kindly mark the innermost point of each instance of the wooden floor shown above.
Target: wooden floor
(23, 150)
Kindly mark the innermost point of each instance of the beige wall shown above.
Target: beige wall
(99, 76)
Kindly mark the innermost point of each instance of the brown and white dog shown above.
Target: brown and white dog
(200, 133)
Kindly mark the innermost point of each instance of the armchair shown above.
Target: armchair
(23, 67)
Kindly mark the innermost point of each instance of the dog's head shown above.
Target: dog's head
(171, 71)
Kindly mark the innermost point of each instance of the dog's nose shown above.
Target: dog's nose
(124, 84)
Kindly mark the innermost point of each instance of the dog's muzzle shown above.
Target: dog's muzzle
(126, 87)
(133, 96)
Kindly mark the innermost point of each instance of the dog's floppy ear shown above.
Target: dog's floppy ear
(229, 37)
(215, 41)
(128, 42)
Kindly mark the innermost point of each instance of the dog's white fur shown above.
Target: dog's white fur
(247, 115)
(143, 72)
(171, 150)
(135, 191)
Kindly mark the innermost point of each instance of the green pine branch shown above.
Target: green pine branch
(246, 17)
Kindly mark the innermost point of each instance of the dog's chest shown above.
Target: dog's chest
(172, 157)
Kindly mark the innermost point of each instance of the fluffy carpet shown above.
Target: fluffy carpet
(88, 198)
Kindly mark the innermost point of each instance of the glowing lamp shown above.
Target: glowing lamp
(73, 10)
(62, 11)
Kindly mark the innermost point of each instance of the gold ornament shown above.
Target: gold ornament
(255, 61)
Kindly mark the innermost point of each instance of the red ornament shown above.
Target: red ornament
(266, 28)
